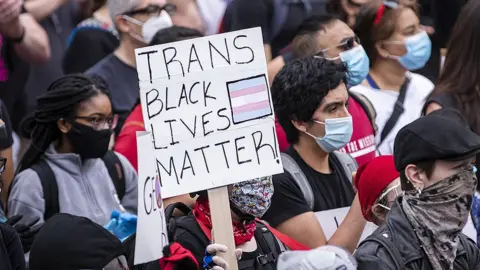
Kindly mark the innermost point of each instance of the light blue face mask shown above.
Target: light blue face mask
(419, 48)
(357, 63)
(338, 132)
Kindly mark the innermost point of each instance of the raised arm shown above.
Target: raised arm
(28, 37)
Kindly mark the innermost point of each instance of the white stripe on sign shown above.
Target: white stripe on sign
(248, 99)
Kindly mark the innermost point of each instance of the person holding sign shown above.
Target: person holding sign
(378, 186)
(257, 243)
(68, 167)
(423, 230)
(310, 100)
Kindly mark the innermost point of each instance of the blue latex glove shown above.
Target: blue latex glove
(122, 225)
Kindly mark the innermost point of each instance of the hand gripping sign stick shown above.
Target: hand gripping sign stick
(222, 224)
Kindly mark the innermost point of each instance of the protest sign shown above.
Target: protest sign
(330, 220)
(207, 103)
(151, 225)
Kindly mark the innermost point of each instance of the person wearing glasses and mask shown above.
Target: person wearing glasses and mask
(136, 21)
(378, 186)
(423, 229)
(396, 44)
(330, 38)
(70, 133)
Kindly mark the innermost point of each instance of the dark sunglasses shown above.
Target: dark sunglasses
(346, 45)
(154, 9)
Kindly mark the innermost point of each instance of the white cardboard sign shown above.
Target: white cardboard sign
(330, 220)
(151, 225)
(207, 103)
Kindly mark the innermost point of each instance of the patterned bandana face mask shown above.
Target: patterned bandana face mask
(253, 197)
(439, 214)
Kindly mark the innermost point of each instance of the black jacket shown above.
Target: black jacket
(372, 255)
(11, 251)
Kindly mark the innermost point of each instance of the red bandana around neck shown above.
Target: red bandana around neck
(242, 232)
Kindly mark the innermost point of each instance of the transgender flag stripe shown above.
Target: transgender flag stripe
(249, 99)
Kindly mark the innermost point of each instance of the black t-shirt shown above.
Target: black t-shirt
(88, 47)
(121, 80)
(330, 191)
(243, 14)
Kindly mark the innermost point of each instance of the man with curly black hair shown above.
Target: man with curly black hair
(310, 99)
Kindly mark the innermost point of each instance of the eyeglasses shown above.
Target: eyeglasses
(154, 10)
(100, 122)
(346, 45)
(3, 162)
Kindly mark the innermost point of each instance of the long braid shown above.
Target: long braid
(60, 101)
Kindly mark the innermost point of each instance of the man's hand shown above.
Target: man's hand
(10, 10)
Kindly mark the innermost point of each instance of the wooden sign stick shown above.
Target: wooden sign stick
(222, 223)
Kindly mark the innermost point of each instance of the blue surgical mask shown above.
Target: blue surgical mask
(338, 132)
(357, 63)
(419, 48)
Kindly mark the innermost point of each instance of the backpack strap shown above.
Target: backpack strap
(398, 110)
(384, 242)
(170, 219)
(291, 166)
(269, 248)
(49, 186)
(115, 169)
(349, 164)
(367, 106)
(284, 239)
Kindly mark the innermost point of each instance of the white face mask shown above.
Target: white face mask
(151, 26)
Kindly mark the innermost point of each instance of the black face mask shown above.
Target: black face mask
(88, 142)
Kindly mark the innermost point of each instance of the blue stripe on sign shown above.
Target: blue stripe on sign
(246, 84)
(242, 117)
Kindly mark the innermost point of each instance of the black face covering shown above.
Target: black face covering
(88, 142)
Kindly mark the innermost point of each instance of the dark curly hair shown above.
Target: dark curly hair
(299, 88)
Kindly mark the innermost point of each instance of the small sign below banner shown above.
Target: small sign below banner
(330, 220)
(151, 225)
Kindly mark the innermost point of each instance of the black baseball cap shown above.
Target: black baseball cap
(441, 135)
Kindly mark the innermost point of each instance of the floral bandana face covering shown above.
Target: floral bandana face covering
(439, 214)
(253, 197)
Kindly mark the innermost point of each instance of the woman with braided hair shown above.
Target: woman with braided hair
(70, 133)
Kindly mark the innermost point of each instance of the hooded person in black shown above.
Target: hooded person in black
(11, 251)
(68, 242)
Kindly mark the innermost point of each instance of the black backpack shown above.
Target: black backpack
(269, 248)
(50, 186)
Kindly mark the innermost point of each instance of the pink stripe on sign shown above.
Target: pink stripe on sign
(251, 107)
(248, 91)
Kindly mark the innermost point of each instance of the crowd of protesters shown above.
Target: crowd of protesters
(377, 110)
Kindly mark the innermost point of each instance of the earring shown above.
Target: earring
(419, 191)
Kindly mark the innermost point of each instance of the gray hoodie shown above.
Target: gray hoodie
(84, 189)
